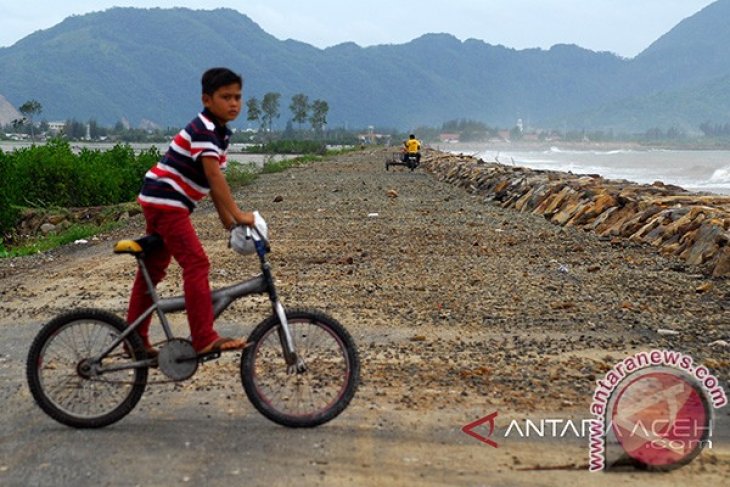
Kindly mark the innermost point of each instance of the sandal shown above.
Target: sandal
(224, 344)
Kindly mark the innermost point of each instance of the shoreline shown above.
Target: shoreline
(582, 146)
(692, 226)
(698, 171)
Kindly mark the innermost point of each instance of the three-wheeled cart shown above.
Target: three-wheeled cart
(396, 159)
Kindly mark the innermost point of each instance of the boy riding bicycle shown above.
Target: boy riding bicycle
(191, 168)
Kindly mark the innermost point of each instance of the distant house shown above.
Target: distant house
(504, 134)
(373, 138)
(56, 127)
(449, 138)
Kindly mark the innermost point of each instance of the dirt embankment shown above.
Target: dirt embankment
(460, 307)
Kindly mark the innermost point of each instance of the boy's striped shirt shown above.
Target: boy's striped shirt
(178, 180)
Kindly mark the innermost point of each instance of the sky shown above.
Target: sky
(624, 27)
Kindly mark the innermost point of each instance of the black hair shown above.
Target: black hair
(412, 136)
(215, 78)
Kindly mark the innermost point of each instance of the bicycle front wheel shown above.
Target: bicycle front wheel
(311, 397)
(59, 379)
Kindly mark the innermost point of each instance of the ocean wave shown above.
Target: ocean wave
(613, 152)
(720, 176)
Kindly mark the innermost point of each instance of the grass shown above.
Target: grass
(51, 241)
(280, 166)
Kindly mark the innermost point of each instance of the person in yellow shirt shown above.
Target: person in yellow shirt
(413, 147)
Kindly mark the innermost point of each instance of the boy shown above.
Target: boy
(191, 168)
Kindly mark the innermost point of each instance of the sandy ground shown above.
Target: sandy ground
(459, 309)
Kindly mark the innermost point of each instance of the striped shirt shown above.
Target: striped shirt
(178, 180)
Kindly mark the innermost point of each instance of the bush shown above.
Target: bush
(8, 211)
(52, 175)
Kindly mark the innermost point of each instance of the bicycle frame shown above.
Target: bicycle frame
(222, 299)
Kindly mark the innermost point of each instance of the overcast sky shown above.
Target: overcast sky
(625, 27)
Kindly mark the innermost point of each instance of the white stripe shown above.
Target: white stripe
(205, 145)
(180, 150)
(196, 187)
(174, 185)
(208, 124)
(162, 201)
(185, 135)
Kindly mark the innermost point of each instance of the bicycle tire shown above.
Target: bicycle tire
(57, 384)
(332, 375)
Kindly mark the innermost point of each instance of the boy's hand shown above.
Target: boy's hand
(244, 218)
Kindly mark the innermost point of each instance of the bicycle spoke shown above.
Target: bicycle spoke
(69, 392)
(301, 394)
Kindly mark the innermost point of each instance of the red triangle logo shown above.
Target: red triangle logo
(469, 429)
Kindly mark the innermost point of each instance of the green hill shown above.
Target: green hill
(146, 63)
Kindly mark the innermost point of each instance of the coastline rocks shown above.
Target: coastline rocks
(693, 227)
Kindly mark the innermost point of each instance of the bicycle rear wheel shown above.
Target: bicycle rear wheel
(57, 375)
(301, 399)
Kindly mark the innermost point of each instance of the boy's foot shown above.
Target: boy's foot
(224, 344)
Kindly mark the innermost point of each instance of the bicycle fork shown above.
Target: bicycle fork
(294, 362)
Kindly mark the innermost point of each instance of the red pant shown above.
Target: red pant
(182, 243)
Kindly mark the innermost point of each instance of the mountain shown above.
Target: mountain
(8, 113)
(145, 64)
(680, 80)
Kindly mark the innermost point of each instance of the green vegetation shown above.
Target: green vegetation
(239, 175)
(289, 147)
(51, 241)
(52, 177)
(279, 166)
(30, 109)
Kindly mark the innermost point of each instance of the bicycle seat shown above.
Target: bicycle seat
(139, 246)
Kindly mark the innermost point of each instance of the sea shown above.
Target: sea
(702, 171)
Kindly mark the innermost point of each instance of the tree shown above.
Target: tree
(252, 107)
(299, 108)
(74, 130)
(18, 124)
(30, 108)
(270, 108)
(95, 130)
(318, 119)
(289, 133)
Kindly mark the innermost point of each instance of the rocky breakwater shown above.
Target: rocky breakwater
(693, 227)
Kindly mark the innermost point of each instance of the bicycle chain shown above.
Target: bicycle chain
(131, 382)
(154, 382)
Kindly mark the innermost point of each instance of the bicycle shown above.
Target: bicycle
(88, 368)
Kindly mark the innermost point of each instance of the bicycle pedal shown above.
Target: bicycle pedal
(207, 357)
